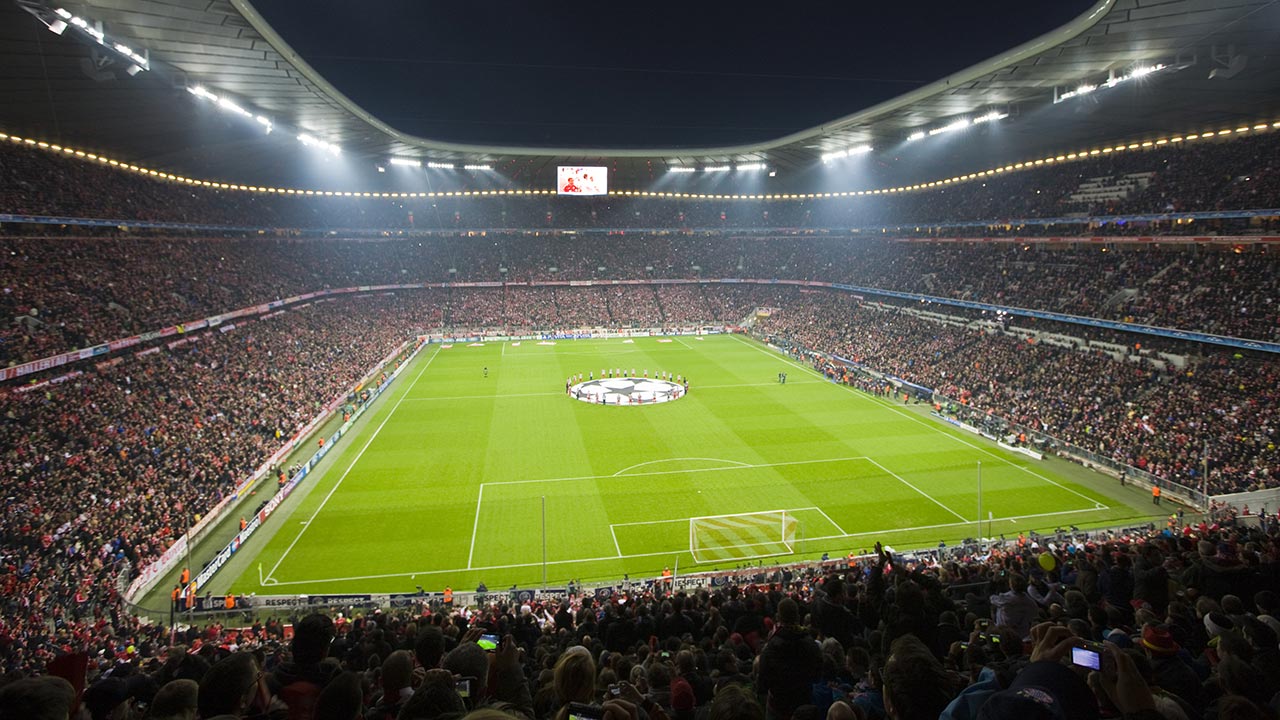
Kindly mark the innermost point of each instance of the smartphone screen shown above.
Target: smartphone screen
(464, 688)
(488, 642)
(1084, 657)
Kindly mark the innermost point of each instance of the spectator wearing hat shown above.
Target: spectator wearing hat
(1043, 690)
(1169, 668)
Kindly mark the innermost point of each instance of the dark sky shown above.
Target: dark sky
(641, 74)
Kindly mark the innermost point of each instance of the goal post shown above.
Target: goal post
(741, 536)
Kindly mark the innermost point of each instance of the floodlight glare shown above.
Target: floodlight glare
(716, 169)
(682, 169)
(956, 125)
(750, 167)
(310, 141)
(847, 152)
(990, 117)
(406, 162)
(442, 166)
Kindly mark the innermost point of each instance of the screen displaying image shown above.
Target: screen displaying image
(582, 180)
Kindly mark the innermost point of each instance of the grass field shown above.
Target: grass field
(445, 483)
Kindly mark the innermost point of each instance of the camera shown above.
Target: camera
(1087, 655)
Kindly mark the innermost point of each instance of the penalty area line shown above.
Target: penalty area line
(677, 472)
(888, 406)
(354, 461)
(667, 553)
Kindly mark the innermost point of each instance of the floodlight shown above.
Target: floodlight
(406, 162)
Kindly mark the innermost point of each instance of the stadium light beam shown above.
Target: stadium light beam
(312, 141)
(847, 152)
(405, 162)
(1112, 80)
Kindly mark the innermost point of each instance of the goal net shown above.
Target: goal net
(746, 535)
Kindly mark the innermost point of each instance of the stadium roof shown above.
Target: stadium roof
(55, 88)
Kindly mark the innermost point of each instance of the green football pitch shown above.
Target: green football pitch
(456, 477)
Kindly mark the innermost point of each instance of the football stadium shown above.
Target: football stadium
(377, 361)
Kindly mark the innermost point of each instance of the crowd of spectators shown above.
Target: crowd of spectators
(66, 293)
(1153, 416)
(114, 464)
(1176, 624)
(1226, 174)
(107, 467)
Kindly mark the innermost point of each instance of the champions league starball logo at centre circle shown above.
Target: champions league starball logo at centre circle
(627, 391)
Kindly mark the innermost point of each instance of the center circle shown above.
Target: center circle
(627, 391)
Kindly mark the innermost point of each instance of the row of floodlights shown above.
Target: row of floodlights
(416, 163)
(847, 152)
(960, 124)
(227, 104)
(138, 61)
(743, 167)
(231, 106)
(1111, 81)
(1029, 164)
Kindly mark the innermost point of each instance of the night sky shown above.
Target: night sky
(654, 74)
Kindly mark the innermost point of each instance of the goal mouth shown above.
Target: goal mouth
(627, 391)
(742, 536)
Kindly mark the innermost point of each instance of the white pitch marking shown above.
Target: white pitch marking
(674, 472)
(654, 462)
(471, 553)
(717, 517)
(645, 555)
(918, 421)
(834, 524)
(682, 342)
(353, 464)
(924, 494)
(616, 546)
(701, 388)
